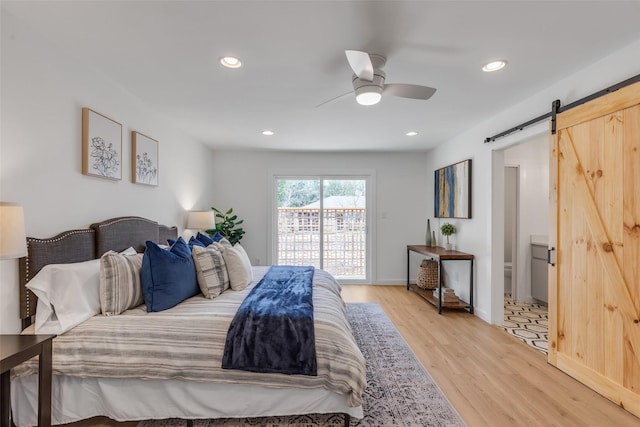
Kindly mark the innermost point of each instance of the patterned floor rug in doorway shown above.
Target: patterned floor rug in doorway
(400, 392)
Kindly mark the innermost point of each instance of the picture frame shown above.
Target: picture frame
(101, 145)
(452, 190)
(144, 159)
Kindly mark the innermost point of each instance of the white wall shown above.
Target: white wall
(532, 157)
(242, 179)
(43, 91)
(482, 235)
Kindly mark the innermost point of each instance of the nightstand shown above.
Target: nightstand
(14, 350)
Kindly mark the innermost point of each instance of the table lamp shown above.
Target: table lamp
(200, 220)
(13, 240)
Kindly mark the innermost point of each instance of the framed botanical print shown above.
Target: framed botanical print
(101, 145)
(144, 159)
(453, 190)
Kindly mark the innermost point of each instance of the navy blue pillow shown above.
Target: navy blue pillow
(168, 277)
(192, 242)
(217, 237)
(204, 239)
(196, 242)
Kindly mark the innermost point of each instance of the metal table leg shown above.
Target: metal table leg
(439, 286)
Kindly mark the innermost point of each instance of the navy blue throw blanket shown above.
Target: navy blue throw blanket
(273, 330)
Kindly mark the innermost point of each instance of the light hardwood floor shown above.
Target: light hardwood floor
(491, 378)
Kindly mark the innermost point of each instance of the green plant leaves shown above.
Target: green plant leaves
(228, 226)
(447, 229)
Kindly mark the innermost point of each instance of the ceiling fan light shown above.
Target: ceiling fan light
(369, 92)
(368, 98)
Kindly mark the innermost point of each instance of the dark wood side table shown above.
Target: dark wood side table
(441, 254)
(14, 350)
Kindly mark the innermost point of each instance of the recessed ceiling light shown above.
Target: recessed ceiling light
(412, 133)
(267, 132)
(230, 62)
(494, 65)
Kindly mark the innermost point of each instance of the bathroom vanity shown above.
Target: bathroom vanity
(539, 270)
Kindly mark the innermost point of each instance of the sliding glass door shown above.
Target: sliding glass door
(322, 221)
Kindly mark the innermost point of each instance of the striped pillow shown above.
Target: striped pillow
(120, 287)
(211, 270)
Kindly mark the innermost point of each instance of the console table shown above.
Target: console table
(441, 254)
(14, 350)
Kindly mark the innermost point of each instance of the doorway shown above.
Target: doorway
(524, 176)
(323, 221)
(529, 162)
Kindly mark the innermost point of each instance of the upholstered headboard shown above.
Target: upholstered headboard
(82, 245)
(118, 234)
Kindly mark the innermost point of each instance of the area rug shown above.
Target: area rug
(400, 392)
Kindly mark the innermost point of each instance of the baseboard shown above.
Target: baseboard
(378, 283)
(529, 300)
(482, 314)
(399, 282)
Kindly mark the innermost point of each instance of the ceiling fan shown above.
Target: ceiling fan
(368, 81)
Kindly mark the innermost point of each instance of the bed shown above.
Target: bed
(138, 365)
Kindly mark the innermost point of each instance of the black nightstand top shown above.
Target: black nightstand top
(15, 349)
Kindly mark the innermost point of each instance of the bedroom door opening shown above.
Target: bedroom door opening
(322, 221)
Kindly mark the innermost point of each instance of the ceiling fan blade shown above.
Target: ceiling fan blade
(335, 98)
(360, 63)
(409, 91)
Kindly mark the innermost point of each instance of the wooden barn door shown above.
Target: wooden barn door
(594, 288)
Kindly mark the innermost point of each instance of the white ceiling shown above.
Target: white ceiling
(166, 53)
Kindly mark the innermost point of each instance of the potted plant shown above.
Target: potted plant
(447, 230)
(228, 226)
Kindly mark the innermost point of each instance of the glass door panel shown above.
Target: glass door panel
(298, 226)
(344, 228)
(323, 222)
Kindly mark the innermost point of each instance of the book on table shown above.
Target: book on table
(448, 295)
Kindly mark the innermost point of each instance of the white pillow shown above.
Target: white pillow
(129, 251)
(224, 242)
(238, 265)
(68, 294)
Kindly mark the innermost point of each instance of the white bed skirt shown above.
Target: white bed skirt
(75, 399)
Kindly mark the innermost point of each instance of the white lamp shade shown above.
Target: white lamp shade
(200, 220)
(13, 240)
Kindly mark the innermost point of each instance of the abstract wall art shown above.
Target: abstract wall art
(453, 190)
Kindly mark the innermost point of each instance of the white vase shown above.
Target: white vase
(447, 246)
